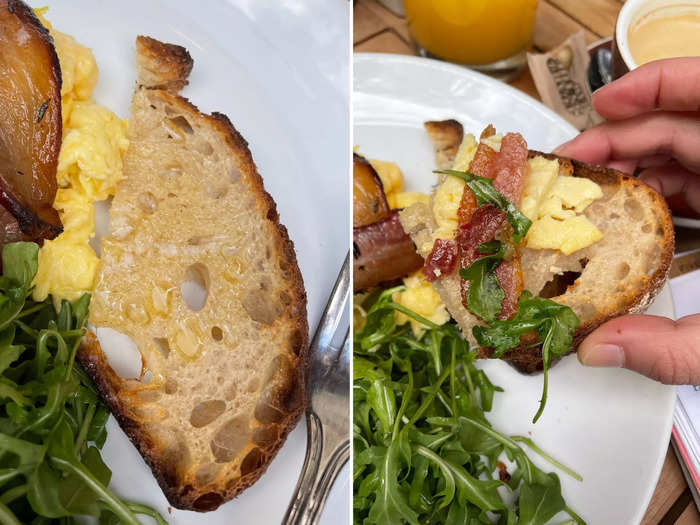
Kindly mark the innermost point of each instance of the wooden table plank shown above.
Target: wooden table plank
(553, 26)
(690, 515)
(525, 83)
(387, 18)
(366, 23)
(598, 16)
(670, 486)
(385, 42)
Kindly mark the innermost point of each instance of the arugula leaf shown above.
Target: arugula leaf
(485, 295)
(434, 458)
(539, 503)
(485, 192)
(554, 324)
(20, 262)
(52, 422)
(481, 493)
(43, 492)
(381, 400)
(391, 504)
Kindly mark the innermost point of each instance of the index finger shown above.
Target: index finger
(672, 84)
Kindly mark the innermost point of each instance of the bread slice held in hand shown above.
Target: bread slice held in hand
(620, 273)
(198, 272)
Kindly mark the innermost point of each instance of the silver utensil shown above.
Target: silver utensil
(328, 413)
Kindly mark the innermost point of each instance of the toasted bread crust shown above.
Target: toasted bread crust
(528, 358)
(446, 136)
(161, 65)
(289, 397)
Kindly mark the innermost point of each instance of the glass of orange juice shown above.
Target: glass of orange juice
(488, 35)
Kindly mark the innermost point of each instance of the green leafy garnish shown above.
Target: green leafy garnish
(485, 295)
(52, 423)
(486, 193)
(424, 451)
(554, 323)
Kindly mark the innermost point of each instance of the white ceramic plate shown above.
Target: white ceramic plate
(280, 71)
(612, 426)
(686, 222)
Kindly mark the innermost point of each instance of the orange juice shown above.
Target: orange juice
(471, 32)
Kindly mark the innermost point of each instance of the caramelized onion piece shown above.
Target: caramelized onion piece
(382, 252)
(369, 203)
(30, 122)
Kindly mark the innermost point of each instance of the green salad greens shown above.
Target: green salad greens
(52, 422)
(553, 323)
(424, 451)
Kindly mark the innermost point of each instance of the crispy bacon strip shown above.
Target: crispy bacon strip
(489, 131)
(509, 167)
(486, 222)
(441, 260)
(466, 207)
(382, 251)
(510, 277)
(482, 164)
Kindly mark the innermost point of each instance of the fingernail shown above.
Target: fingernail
(603, 355)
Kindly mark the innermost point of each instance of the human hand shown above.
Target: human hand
(653, 125)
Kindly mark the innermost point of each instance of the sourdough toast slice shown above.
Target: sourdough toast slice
(223, 377)
(619, 274)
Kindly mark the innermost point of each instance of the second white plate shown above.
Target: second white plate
(612, 426)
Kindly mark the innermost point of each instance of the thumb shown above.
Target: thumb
(657, 347)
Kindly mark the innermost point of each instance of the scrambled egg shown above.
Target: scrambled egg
(392, 181)
(419, 294)
(552, 201)
(421, 297)
(89, 167)
(448, 194)
(554, 204)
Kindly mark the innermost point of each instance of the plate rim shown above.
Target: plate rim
(387, 58)
(460, 71)
(686, 222)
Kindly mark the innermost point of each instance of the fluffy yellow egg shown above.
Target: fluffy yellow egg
(552, 201)
(404, 199)
(568, 235)
(78, 68)
(448, 194)
(421, 297)
(390, 175)
(66, 270)
(89, 167)
(91, 155)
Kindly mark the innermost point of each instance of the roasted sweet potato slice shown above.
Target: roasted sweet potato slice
(30, 123)
(369, 202)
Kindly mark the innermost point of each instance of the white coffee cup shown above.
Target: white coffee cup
(630, 14)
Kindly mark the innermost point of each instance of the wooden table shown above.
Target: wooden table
(376, 29)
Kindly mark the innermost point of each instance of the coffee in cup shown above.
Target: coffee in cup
(648, 30)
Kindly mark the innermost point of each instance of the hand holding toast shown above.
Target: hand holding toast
(653, 124)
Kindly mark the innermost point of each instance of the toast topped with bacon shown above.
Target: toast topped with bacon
(527, 249)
